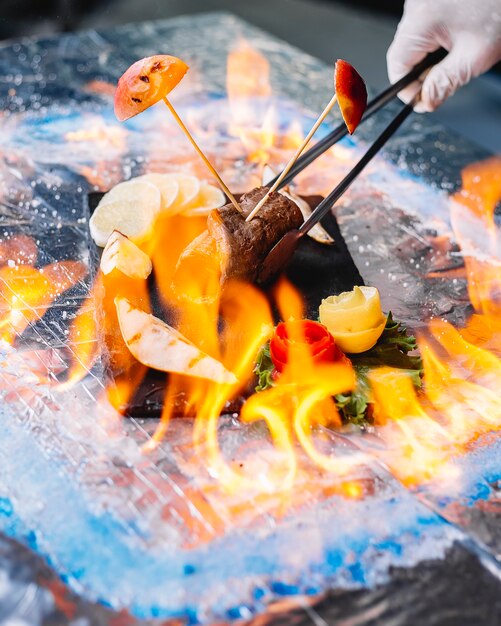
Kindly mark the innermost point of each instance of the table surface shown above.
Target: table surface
(460, 588)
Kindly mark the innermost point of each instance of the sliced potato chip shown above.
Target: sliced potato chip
(168, 187)
(209, 198)
(135, 190)
(133, 218)
(122, 254)
(161, 347)
(189, 187)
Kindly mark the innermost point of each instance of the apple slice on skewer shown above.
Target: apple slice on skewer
(159, 346)
(145, 83)
(351, 94)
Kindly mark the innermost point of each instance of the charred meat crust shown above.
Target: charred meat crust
(243, 245)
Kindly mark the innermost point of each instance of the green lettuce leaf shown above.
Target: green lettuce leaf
(264, 369)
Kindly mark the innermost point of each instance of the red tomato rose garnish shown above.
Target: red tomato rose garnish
(323, 348)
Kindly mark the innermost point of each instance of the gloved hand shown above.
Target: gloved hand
(470, 30)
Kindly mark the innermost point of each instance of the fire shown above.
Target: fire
(254, 116)
(27, 292)
(309, 403)
(462, 369)
(231, 325)
(475, 228)
(101, 134)
(423, 430)
(101, 138)
(249, 96)
(291, 411)
(248, 74)
(127, 372)
(83, 343)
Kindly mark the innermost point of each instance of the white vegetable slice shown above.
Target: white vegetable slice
(134, 190)
(189, 187)
(123, 255)
(168, 187)
(161, 347)
(209, 198)
(318, 232)
(133, 218)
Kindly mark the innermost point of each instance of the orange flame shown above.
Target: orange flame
(291, 411)
(248, 82)
(101, 134)
(127, 372)
(26, 293)
(462, 378)
(248, 73)
(475, 228)
(284, 469)
(254, 117)
(83, 343)
(103, 138)
(424, 430)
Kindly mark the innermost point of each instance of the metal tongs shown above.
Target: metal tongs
(282, 252)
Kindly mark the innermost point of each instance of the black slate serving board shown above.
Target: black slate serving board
(317, 270)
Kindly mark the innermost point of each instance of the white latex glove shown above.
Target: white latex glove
(470, 30)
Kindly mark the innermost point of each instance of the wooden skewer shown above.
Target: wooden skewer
(295, 157)
(202, 155)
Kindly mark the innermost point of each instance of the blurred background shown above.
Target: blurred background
(358, 30)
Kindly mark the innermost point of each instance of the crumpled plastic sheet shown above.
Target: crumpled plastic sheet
(128, 529)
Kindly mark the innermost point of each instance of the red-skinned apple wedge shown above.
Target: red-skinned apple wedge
(146, 82)
(351, 93)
